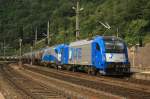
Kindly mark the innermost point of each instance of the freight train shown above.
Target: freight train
(106, 55)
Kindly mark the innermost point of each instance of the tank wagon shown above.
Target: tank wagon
(49, 56)
(103, 54)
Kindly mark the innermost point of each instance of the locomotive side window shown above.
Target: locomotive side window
(97, 47)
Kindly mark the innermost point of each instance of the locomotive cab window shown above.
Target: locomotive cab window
(97, 47)
(114, 45)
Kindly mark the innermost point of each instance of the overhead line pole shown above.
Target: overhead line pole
(31, 48)
(77, 20)
(4, 48)
(48, 33)
(20, 54)
(35, 36)
(117, 32)
(1, 47)
(77, 10)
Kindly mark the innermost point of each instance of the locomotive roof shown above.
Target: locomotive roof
(80, 42)
(86, 41)
(111, 37)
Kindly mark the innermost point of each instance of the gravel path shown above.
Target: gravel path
(1, 96)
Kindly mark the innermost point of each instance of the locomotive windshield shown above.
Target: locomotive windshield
(114, 45)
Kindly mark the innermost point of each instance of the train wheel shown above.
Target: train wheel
(68, 68)
(59, 67)
(102, 72)
(92, 71)
(45, 64)
(74, 69)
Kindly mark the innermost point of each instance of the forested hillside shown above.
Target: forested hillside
(20, 18)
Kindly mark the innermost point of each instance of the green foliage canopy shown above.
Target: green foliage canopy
(21, 17)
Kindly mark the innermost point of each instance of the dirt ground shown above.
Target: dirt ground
(7, 91)
(10, 92)
(1, 96)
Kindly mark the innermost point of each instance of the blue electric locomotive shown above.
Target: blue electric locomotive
(107, 55)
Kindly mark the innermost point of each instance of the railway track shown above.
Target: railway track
(30, 89)
(127, 89)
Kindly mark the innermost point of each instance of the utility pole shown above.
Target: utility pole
(77, 21)
(4, 48)
(77, 10)
(31, 56)
(1, 47)
(117, 32)
(35, 36)
(20, 54)
(48, 33)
